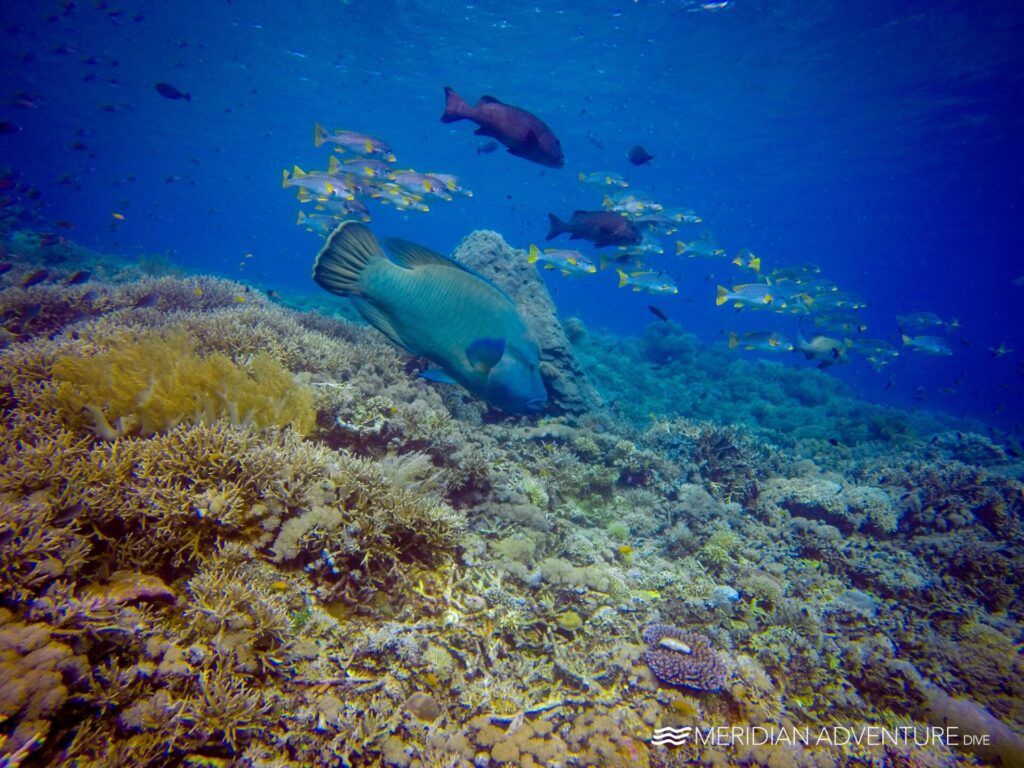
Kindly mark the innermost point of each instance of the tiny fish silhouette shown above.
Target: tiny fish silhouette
(168, 91)
(639, 156)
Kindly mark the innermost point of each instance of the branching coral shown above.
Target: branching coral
(222, 709)
(232, 605)
(729, 463)
(155, 503)
(362, 531)
(33, 550)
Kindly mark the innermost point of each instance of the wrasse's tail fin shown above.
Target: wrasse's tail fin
(348, 250)
(723, 296)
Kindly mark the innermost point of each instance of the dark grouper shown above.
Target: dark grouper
(434, 307)
(599, 227)
(525, 134)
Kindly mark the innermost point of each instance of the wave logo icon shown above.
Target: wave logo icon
(674, 736)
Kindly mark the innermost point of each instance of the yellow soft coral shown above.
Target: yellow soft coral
(149, 384)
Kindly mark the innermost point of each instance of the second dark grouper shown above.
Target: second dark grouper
(525, 134)
(599, 227)
(434, 307)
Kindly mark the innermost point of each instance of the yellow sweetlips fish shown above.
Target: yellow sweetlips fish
(569, 262)
(650, 281)
(359, 143)
(753, 294)
(320, 184)
(434, 307)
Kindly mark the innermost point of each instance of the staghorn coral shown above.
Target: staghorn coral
(222, 709)
(33, 550)
(155, 504)
(232, 605)
(729, 462)
(361, 531)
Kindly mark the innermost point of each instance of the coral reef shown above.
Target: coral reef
(234, 533)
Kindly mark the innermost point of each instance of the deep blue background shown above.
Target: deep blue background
(880, 140)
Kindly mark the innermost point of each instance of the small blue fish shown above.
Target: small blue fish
(569, 262)
(930, 345)
(649, 281)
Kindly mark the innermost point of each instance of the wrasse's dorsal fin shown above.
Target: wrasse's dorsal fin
(409, 255)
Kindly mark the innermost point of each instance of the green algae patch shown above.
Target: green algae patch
(149, 384)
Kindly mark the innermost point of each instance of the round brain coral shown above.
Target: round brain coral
(679, 657)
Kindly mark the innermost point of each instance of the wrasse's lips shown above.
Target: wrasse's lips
(535, 405)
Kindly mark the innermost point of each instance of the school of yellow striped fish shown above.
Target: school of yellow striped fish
(369, 173)
(341, 192)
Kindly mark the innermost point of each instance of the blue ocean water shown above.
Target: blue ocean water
(880, 141)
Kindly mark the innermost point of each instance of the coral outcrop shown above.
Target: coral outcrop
(488, 254)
